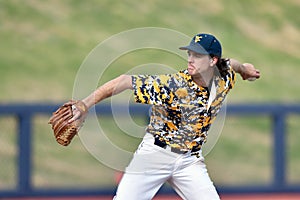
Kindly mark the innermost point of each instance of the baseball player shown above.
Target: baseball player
(184, 105)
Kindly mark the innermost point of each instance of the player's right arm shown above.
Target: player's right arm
(246, 70)
(110, 88)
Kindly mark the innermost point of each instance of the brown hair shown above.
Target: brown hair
(222, 65)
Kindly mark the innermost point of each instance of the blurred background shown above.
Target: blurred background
(43, 44)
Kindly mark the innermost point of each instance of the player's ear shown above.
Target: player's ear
(213, 60)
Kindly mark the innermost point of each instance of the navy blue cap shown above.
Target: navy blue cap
(204, 43)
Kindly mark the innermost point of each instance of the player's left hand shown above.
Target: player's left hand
(249, 72)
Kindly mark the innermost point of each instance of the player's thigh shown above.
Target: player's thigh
(139, 186)
(194, 183)
(146, 173)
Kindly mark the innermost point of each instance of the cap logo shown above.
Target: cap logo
(198, 38)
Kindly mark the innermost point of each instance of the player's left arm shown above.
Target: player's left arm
(110, 88)
(246, 70)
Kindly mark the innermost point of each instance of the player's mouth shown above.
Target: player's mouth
(190, 65)
(191, 68)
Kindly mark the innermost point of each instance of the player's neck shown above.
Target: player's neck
(203, 80)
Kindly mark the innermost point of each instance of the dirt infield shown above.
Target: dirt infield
(162, 197)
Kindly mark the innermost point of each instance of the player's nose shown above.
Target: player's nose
(190, 59)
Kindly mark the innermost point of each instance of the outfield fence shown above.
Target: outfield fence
(24, 113)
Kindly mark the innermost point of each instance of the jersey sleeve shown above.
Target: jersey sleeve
(231, 77)
(153, 90)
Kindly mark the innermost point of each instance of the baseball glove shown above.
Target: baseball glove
(63, 130)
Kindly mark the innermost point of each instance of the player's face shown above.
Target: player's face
(199, 64)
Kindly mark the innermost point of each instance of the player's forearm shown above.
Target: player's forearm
(109, 89)
(236, 65)
(246, 70)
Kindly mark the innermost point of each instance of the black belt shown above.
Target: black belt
(163, 145)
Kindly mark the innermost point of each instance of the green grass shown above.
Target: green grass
(44, 43)
(293, 148)
(58, 166)
(243, 152)
(8, 152)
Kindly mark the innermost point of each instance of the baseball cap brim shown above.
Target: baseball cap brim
(197, 49)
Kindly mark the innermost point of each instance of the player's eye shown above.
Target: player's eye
(197, 55)
(188, 53)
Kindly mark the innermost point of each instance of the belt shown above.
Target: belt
(163, 145)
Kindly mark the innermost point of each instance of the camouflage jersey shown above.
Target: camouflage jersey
(180, 115)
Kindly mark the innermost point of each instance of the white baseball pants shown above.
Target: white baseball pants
(152, 166)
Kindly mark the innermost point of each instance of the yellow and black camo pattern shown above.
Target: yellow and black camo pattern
(179, 115)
